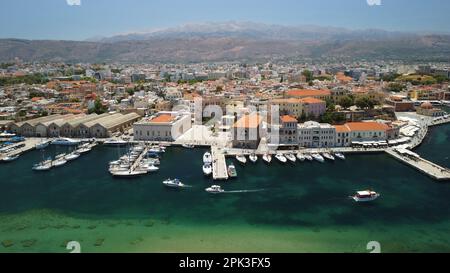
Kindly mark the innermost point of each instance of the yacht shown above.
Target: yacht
(253, 158)
(318, 157)
(365, 196)
(43, 166)
(291, 158)
(115, 142)
(215, 189)
(309, 157)
(11, 158)
(267, 158)
(207, 169)
(207, 158)
(128, 173)
(188, 146)
(281, 158)
(72, 156)
(328, 156)
(59, 162)
(232, 173)
(148, 167)
(241, 158)
(5, 134)
(65, 142)
(42, 145)
(340, 156)
(83, 150)
(173, 183)
(301, 157)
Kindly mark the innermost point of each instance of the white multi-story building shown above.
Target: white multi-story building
(164, 126)
(312, 134)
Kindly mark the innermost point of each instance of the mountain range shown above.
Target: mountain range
(235, 41)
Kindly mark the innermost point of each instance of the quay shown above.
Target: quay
(220, 169)
(30, 144)
(427, 167)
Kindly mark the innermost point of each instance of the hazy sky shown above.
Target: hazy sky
(81, 19)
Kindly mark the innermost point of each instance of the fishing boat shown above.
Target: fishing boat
(188, 146)
(72, 156)
(253, 158)
(301, 157)
(281, 158)
(365, 196)
(11, 158)
(42, 145)
(232, 173)
(215, 189)
(318, 158)
(207, 158)
(328, 156)
(291, 158)
(207, 169)
(65, 142)
(309, 157)
(340, 156)
(173, 183)
(267, 158)
(241, 159)
(43, 166)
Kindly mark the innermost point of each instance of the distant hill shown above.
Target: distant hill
(234, 42)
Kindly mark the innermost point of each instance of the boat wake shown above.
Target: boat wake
(244, 191)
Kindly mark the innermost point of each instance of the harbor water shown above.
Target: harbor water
(302, 207)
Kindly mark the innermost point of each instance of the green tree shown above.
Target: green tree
(99, 108)
(308, 75)
(346, 102)
(396, 87)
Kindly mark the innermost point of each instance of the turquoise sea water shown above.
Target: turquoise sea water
(302, 208)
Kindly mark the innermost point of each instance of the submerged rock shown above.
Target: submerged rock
(7, 243)
(99, 242)
(29, 243)
(92, 227)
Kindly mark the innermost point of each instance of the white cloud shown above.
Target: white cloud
(374, 2)
(73, 2)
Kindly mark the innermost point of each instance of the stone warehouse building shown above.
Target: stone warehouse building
(75, 126)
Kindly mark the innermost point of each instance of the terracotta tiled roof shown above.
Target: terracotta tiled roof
(251, 121)
(367, 126)
(288, 118)
(164, 118)
(308, 93)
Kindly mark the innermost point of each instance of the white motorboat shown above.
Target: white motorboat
(115, 142)
(207, 169)
(5, 134)
(253, 158)
(83, 150)
(232, 173)
(43, 166)
(340, 156)
(65, 142)
(328, 156)
(215, 189)
(128, 173)
(59, 162)
(42, 145)
(207, 158)
(301, 157)
(365, 196)
(148, 167)
(11, 158)
(267, 158)
(188, 146)
(309, 157)
(174, 183)
(72, 156)
(318, 158)
(281, 158)
(291, 158)
(241, 159)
